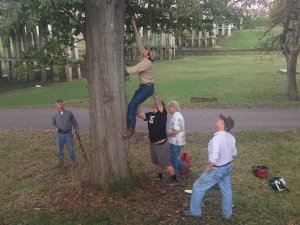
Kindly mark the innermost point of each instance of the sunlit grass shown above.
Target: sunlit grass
(243, 39)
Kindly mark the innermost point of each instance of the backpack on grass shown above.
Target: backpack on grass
(278, 184)
(260, 171)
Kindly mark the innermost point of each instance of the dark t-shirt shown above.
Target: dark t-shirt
(157, 123)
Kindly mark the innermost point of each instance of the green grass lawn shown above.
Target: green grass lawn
(235, 79)
(27, 95)
(34, 191)
(243, 39)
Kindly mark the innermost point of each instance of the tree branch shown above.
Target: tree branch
(283, 36)
(71, 15)
(79, 40)
(266, 32)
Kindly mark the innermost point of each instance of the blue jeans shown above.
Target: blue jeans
(140, 95)
(176, 161)
(220, 176)
(61, 140)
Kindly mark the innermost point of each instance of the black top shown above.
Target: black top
(157, 123)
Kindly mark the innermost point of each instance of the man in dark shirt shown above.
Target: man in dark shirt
(159, 145)
(63, 120)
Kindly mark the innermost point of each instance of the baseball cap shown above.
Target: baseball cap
(228, 121)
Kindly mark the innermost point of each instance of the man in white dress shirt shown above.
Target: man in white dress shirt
(221, 151)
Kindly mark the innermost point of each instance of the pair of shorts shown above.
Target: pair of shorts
(160, 154)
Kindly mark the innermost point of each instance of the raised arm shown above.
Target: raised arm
(140, 114)
(158, 102)
(138, 37)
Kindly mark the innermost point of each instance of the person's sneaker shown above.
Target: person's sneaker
(173, 184)
(128, 134)
(232, 206)
(187, 213)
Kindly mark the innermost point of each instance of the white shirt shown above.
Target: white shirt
(221, 148)
(177, 123)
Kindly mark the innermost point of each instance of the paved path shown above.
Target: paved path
(196, 119)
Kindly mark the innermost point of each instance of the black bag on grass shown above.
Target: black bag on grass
(278, 184)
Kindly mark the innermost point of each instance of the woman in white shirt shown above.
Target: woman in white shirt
(176, 135)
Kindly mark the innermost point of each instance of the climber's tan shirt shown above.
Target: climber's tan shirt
(144, 70)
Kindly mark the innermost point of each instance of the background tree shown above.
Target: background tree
(67, 20)
(286, 15)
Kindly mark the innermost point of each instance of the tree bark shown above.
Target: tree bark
(43, 36)
(291, 78)
(289, 43)
(104, 55)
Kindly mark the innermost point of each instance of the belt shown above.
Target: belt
(224, 164)
(63, 132)
(147, 84)
(161, 142)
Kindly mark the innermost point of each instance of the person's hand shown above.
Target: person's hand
(155, 96)
(77, 133)
(207, 168)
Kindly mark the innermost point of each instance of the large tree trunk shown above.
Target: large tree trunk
(291, 77)
(104, 55)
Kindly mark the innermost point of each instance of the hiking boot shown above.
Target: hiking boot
(128, 134)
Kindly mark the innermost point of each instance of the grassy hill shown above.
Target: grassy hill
(243, 39)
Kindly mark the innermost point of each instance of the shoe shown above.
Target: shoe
(130, 131)
(60, 164)
(226, 218)
(173, 184)
(73, 164)
(232, 206)
(188, 214)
